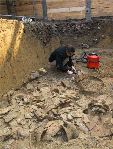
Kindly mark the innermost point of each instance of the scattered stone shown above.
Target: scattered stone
(40, 114)
(69, 117)
(5, 132)
(22, 132)
(71, 130)
(40, 105)
(6, 110)
(29, 86)
(10, 116)
(27, 100)
(52, 128)
(36, 93)
(45, 90)
(28, 115)
(91, 125)
(21, 121)
(64, 117)
(86, 119)
(55, 111)
(13, 123)
(83, 127)
(66, 84)
(62, 96)
(56, 90)
(97, 131)
(50, 116)
(34, 75)
(42, 71)
(79, 113)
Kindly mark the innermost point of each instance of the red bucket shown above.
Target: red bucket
(93, 60)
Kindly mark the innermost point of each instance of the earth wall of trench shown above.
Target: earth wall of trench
(20, 54)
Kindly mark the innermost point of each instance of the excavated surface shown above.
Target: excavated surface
(57, 110)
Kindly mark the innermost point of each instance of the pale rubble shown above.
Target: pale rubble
(42, 71)
(6, 110)
(55, 112)
(29, 86)
(34, 75)
(5, 132)
(69, 117)
(12, 115)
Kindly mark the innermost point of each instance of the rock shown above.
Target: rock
(29, 86)
(26, 100)
(42, 71)
(50, 116)
(6, 110)
(21, 121)
(10, 116)
(83, 128)
(64, 117)
(55, 111)
(55, 89)
(106, 118)
(28, 115)
(52, 128)
(33, 107)
(79, 113)
(86, 119)
(34, 75)
(66, 83)
(71, 130)
(70, 94)
(69, 117)
(40, 114)
(105, 99)
(23, 132)
(98, 131)
(17, 97)
(36, 93)
(45, 90)
(39, 130)
(40, 105)
(5, 132)
(97, 107)
(62, 96)
(83, 102)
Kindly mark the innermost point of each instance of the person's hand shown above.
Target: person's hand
(70, 72)
(73, 68)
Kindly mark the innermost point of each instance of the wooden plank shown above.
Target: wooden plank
(63, 10)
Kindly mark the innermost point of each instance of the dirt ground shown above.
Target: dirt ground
(57, 110)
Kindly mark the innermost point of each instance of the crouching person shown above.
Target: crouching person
(62, 57)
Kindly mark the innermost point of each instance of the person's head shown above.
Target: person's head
(70, 50)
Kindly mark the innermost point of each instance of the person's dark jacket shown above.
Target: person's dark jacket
(59, 55)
